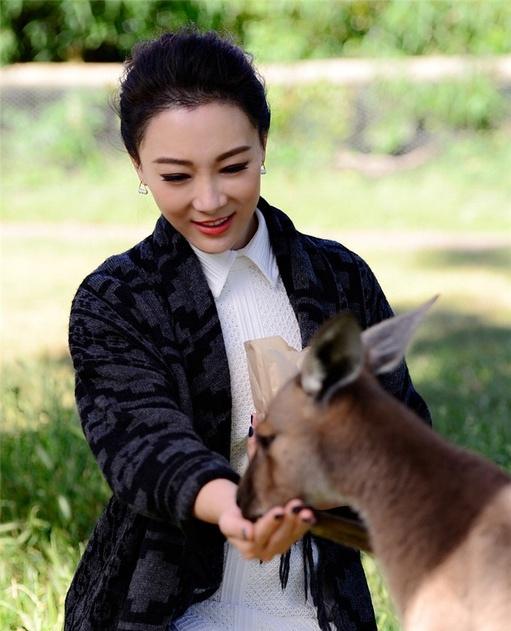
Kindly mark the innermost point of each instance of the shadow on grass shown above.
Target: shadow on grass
(459, 363)
(484, 257)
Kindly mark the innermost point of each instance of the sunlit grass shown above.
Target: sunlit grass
(474, 196)
(35, 570)
(466, 188)
(52, 492)
(35, 313)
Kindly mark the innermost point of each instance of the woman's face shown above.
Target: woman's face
(202, 166)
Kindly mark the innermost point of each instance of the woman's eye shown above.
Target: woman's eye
(175, 177)
(264, 441)
(235, 168)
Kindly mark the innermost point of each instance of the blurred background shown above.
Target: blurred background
(391, 130)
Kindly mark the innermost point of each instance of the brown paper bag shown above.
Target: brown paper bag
(271, 363)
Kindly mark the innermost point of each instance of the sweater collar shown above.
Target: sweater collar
(217, 266)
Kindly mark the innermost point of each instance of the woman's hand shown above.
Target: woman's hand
(274, 533)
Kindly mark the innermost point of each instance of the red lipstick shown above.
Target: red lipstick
(214, 227)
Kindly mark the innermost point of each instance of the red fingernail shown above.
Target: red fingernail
(279, 516)
(297, 509)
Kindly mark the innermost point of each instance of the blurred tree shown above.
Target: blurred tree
(91, 30)
(105, 30)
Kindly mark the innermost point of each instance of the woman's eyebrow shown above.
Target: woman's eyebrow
(233, 152)
(222, 156)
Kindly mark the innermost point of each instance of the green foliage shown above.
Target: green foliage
(64, 133)
(394, 109)
(308, 121)
(278, 30)
(286, 30)
(441, 26)
(77, 132)
(92, 30)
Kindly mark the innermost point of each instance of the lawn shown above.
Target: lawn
(460, 361)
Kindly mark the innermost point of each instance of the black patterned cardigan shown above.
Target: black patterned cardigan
(153, 393)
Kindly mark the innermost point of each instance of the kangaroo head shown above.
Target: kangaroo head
(306, 428)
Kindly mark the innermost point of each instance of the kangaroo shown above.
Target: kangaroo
(438, 516)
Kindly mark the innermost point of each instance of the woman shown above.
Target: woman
(156, 337)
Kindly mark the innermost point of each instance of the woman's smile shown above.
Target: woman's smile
(215, 226)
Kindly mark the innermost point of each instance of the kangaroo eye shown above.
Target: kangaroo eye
(264, 441)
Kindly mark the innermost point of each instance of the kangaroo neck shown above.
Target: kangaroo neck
(417, 493)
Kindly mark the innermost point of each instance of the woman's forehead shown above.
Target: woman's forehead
(208, 130)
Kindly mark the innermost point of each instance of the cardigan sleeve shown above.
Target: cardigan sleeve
(376, 308)
(127, 398)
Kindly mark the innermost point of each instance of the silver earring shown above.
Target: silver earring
(142, 189)
(263, 169)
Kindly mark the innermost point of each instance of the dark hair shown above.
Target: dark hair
(186, 69)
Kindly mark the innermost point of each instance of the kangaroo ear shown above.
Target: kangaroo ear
(385, 343)
(335, 357)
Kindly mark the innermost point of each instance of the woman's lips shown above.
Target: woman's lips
(215, 226)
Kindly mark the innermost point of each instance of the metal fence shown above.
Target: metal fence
(84, 90)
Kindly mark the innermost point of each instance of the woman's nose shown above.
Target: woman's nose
(207, 196)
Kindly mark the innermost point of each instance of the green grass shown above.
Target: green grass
(51, 489)
(466, 188)
(51, 493)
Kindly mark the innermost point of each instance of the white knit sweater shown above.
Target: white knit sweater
(252, 303)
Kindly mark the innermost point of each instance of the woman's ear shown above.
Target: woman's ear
(138, 169)
(136, 165)
(264, 139)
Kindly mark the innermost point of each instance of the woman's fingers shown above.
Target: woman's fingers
(276, 531)
(268, 525)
